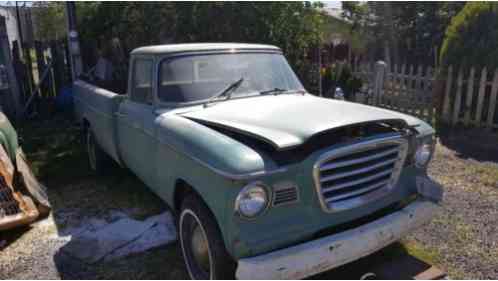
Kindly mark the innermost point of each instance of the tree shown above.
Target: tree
(472, 37)
(296, 27)
(50, 20)
(404, 32)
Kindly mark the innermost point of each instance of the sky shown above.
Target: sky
(332, 4)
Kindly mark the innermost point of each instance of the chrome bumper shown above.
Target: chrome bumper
(316, 256)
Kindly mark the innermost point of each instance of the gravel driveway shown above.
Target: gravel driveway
(462, 239)
(465, 234)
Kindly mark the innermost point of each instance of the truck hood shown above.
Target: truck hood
(288, 120)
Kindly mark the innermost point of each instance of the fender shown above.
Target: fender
(211, 148)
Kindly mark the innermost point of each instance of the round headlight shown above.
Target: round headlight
(252, 200)
(424, 153)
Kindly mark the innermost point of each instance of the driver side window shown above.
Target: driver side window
(142, 81)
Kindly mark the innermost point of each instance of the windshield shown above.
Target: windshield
(200, 77)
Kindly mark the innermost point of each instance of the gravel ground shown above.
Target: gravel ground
(462, 239)
(465, 233)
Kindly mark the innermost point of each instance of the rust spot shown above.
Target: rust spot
(15, 208)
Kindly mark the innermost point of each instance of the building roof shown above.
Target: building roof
(193, 47)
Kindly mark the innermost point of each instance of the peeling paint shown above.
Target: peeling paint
(16, 205)
(326, 253)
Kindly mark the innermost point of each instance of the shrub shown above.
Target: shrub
(340, 75)
(471, 39)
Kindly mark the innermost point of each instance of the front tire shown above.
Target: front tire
(202, 245)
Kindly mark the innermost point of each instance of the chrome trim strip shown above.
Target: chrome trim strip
(402, 149)
(359, 191)
(358, 171)
(350, 183)
(358, 160)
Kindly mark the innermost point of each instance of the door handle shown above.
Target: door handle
(119, 114)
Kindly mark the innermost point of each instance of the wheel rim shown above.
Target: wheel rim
(91, 150)
(199, 245)
(195, 246)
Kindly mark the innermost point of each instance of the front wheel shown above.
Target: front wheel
(202, 245)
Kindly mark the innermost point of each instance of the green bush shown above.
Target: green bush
(340, 75)
(471, 39)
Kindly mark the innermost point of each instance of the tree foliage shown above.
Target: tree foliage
(50, 20)
(296, 27)
(402, 32)
(472, 37)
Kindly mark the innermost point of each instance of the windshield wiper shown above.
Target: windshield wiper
(273, 91)
(226, 92)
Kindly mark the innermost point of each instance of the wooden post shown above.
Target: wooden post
(394, 80)
(73, 41)
(40, 62)
(492, 101)
(380, 72)
(409, 89)
(458, 98)
(13, 83)
(402, 87)
(446, 102)
(418, 93)
(427, 96)
(60, 74)
(468, 98)
(480, 98)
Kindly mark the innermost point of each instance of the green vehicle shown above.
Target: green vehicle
(267, 180)
(22, 198)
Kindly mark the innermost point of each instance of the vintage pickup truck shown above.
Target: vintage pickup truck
(267, 180)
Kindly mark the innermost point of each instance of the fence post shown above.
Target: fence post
(458, 98)
(446, 100)
(427, 95)
(380, 72)
(480, 98)
(468, 99)
(492, 101)
(13, 82)
(414, 100)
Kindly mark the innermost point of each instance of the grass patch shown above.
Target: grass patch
(428, 255)
(55, 150)
(57, 154)
(487, 173)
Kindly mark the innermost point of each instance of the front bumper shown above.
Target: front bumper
(316, 256)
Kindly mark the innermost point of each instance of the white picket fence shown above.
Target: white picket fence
(454, 97)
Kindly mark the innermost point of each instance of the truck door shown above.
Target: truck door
(134, 118)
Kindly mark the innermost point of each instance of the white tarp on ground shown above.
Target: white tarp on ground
(121, 238)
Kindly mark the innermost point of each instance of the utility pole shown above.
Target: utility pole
(73, 41)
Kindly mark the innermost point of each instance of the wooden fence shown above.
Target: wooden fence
(456, 98)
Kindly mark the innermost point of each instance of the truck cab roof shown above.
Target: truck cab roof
(200, 47)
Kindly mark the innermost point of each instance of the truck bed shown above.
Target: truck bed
(98, 107)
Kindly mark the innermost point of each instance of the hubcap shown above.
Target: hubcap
(200, 249)
(195, 246)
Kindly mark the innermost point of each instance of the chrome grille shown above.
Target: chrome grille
(8, 204)
(350, 176)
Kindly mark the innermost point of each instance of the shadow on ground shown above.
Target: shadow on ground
(58, 158)
(477, 144)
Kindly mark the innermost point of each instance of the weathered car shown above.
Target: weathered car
(267, 180)
(22, 198)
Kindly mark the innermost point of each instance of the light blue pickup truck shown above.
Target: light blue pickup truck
(267, 180)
